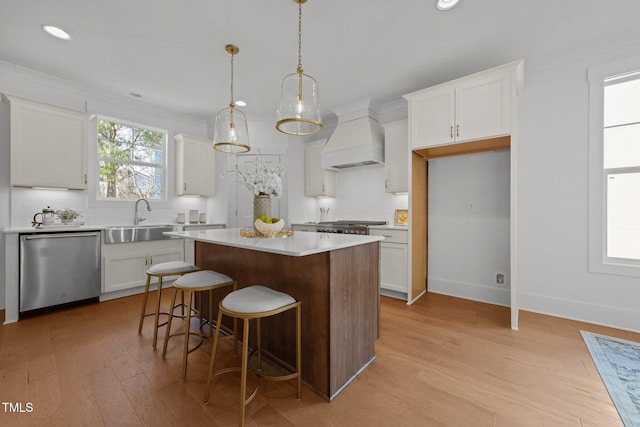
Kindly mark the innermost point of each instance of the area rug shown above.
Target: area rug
(618, 362)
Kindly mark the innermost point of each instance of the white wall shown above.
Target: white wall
(360, 195)
(4, 192)
(554, 192)
(469, 226)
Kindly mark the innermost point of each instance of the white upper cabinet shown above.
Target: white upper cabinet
(467, 109)
(396, 160)
(432, 116)
(483, 107)
(48, 145)
(195, 166)
(318, 181)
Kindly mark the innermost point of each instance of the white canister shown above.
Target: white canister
(194, 215)
(203, 217)
(181, 218)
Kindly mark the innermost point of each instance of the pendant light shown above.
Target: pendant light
(231, 134)
(299, 107)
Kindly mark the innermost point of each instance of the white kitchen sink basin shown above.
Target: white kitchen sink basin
(137, 233)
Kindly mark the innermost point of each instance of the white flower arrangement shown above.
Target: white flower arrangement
(265, 181)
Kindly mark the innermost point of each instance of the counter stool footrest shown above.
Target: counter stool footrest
(191, 333)
(191, 286)
(239, 369)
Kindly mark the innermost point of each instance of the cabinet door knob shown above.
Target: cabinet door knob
(323, 188)
(185, 186)
(450, 131)
(457, 130)
(386, 183)
(85, 178)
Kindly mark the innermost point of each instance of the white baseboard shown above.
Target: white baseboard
(613, 317)
(393, 294)
(132, 291)
(471, 291)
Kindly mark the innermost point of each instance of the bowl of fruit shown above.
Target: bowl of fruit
(269, 226)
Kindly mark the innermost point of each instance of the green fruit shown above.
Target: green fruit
(274, 220)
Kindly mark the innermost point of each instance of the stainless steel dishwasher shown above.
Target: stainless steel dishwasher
(58, 268)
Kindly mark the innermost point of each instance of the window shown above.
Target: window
(621, 165)
(614, 169)
(131, 161)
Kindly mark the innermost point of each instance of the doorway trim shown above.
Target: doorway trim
(419, 209)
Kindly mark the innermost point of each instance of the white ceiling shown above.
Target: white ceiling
(172, 51)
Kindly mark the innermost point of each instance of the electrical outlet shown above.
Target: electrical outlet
(500, 279)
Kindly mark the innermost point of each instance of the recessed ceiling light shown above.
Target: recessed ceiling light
(240, 103)
(446, 4)
(56, 32)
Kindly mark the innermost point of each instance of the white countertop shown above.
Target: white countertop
(300, 244)
(53, 228)
(71, 228)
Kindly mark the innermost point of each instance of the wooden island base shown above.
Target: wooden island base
(340, 304)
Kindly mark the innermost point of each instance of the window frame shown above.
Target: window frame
(99, 201)
(599, 262)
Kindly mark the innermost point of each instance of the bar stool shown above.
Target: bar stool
(190, 284)
(164, 269)
(255, 302)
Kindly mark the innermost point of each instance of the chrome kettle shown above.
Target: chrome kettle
(48, 217)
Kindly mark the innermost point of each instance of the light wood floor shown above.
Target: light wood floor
(443, 361)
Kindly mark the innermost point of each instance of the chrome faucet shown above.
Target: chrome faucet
(137, 220)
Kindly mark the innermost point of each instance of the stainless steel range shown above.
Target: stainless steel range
(347, 226)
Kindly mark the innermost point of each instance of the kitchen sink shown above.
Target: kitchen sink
(137, 233)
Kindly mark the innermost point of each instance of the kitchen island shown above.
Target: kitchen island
(335, 276)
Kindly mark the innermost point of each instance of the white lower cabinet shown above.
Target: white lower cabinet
(394, 265)
(125, 265)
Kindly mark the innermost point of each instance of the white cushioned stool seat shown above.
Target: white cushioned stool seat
(177, 267)
(255, 299)
(202, 278)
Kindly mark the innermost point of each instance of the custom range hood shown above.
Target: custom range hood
(357, 141)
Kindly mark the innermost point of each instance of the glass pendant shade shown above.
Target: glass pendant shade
(231, 134)
(299, 107)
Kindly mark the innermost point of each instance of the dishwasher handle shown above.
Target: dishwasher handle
(60, 236)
